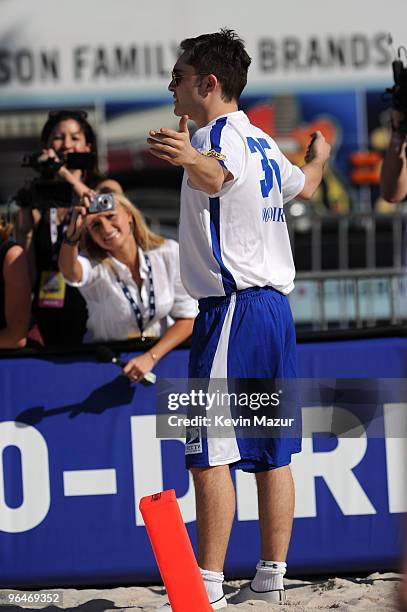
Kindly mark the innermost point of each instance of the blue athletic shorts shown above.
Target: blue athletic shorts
(249, 334)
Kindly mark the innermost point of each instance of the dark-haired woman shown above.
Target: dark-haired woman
(14, 291)
(60, 310)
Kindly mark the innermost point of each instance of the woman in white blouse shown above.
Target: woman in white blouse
(130, 280)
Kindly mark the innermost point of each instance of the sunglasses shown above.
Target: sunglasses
(177, 78)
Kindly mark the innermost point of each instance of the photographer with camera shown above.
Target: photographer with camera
(393, 180)
(129, 277)
(45, 212)
(393, 185)
(14, 291)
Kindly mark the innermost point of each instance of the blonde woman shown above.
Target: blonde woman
(15, 292)
(130, 280)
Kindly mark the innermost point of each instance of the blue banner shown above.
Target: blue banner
(78, 449)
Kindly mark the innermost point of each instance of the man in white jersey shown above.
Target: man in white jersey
(236, 259)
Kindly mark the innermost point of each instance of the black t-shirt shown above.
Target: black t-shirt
(58, 326)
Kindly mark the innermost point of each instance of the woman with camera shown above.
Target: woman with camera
(129, 277)
(60, 310)
(15, 292)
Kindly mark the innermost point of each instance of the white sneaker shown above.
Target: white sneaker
(246, 593)
(216, 605)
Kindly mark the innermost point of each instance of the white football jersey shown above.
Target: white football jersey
(238, 238)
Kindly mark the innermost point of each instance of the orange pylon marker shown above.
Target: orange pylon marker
(173, 553)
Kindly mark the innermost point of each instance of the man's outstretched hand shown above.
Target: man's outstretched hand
(317, 155)
(172, 146)
(318, 148)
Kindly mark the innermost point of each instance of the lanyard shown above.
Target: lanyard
(151, 298)
(57, 232)
(53, 227)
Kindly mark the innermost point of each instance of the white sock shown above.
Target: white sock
(269, 576)
(213, 584)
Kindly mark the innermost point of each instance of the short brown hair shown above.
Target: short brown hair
(222, 54)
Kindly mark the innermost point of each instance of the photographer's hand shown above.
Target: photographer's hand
(75, 227)
(393, 173)
(47, 154)
(398, 123)
(80, 189)
(68, 261)
(71, 177)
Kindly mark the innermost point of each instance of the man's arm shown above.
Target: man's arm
(205, 173)
(316, 157)
(393, 175)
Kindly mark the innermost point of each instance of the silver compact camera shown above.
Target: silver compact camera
(102, 202)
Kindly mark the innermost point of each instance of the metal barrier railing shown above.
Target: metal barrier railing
(312, 227)
(367, 224)
(345, 296)
(341, 296)
(350, 298)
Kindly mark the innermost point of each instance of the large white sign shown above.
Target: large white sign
(335, 467)
(88, 50)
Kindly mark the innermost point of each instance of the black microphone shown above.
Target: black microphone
(105, 355)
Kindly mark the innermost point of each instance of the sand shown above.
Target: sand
(374, 593)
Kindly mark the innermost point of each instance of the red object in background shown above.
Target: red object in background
(125, 160)
(366, 167)
(118, 161)
(282, 122)
(173, 552)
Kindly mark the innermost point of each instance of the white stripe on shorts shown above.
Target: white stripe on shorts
(222, 451)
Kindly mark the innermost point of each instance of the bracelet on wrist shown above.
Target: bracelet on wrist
(153, 356)
(71, 241)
